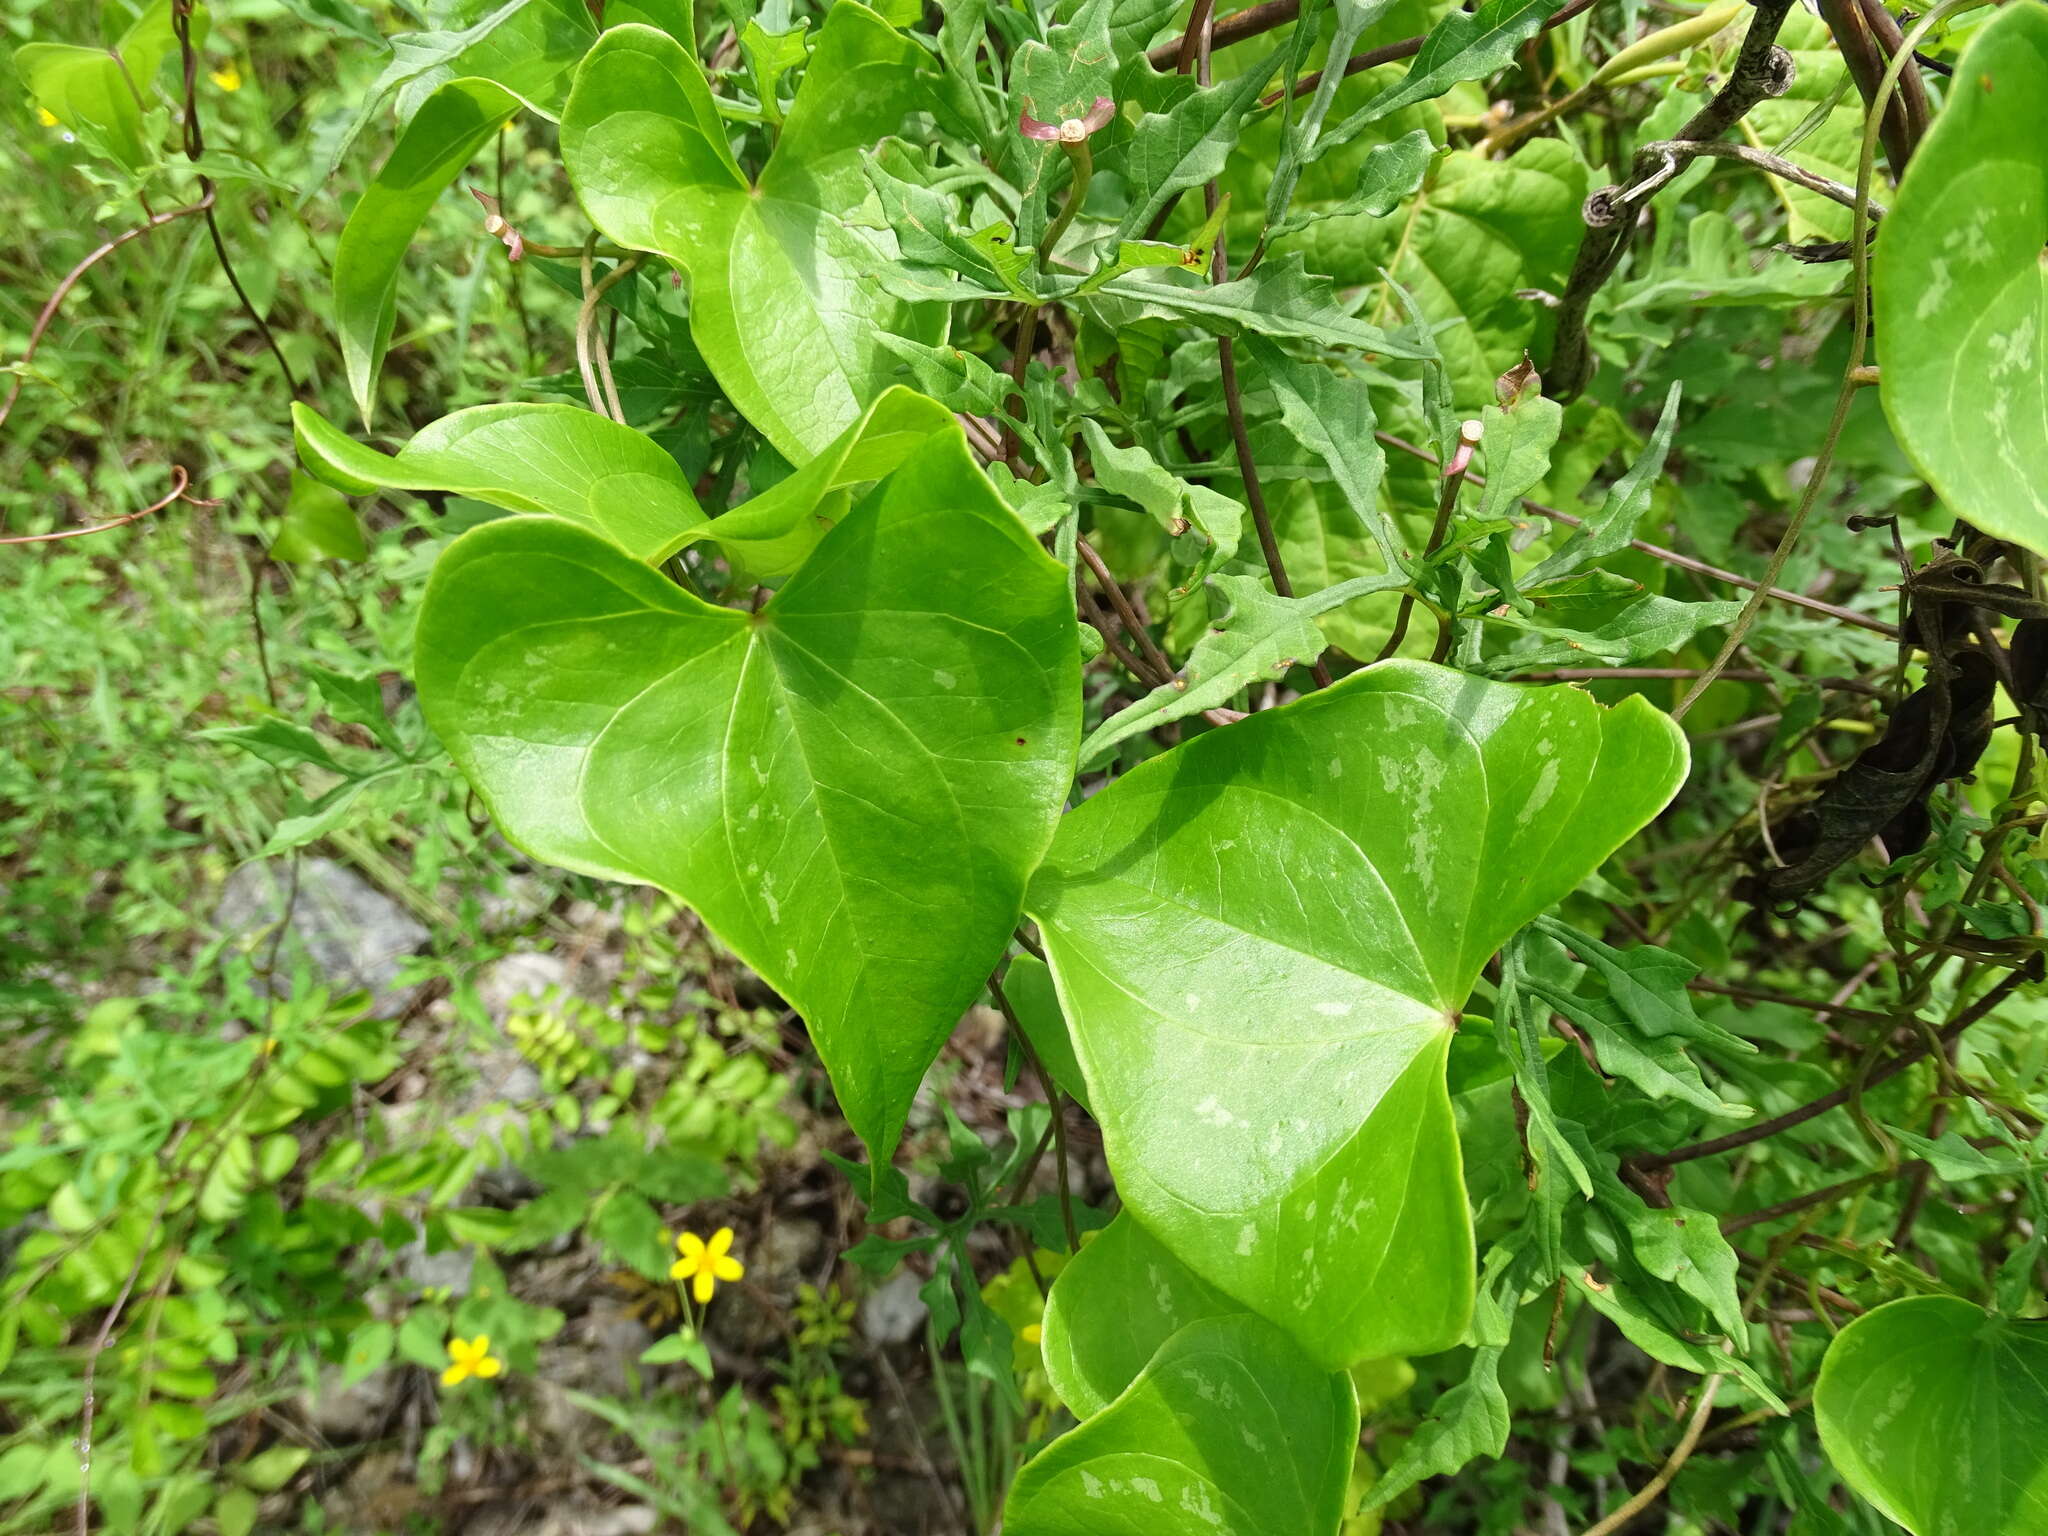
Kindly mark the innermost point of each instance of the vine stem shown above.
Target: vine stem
(194, 141)
(180, 480)
(1126, 615)
(71, 280)
(1083, 160)
(1055, 1101)
(1195, 46)
(1762, 1130)
(591, 358)
(1672, 557)
(1446, 504)
(1653, 1490)
(1859, 256)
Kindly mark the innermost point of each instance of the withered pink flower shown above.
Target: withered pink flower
(1074, 129)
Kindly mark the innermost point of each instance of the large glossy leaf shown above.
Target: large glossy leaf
(1937, 1412)
(456, 121)
(557, 459)
(777, 300)
(851, 786)
(1961, 287)
(1229, 1431)
(1121, 1297)
(1262, 941)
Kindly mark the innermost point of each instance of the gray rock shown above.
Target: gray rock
(349, 1413)
(352, 932)
(895, 1313)
(520, 979)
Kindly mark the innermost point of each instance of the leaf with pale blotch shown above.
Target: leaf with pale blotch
(851, 786)
(1262, 941)
(1937, 1412)
(1117, 1301)
(557, 459)
(1229, 1431)
(1960, 288)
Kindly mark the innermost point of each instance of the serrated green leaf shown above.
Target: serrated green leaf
(885, 747)
(1331, 415)
(1282, 919)
(1614, 525)
(1465, 45)
(1280, 298)
(1258, 640)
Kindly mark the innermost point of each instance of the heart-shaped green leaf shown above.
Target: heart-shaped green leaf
(443, 136)
(1121, 1297)
(1937, 1412)
(1230, 1430)
(1960, 287)
(557, 459)
(1262, 940)
(778, 304)
(851, 786)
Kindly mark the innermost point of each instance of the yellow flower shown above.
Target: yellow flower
(1033, 1333)
(228, 77)
(46, 117)
(470, 1357)
(705, 1264)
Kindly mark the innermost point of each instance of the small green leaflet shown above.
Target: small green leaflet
(1960, 288)
(1465, 45)
(1258, 640)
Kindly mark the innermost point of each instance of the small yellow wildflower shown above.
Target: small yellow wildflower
(228, 77)
(46, 117)
(1033, 1334)
(705, 1264)
(470, 1357)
